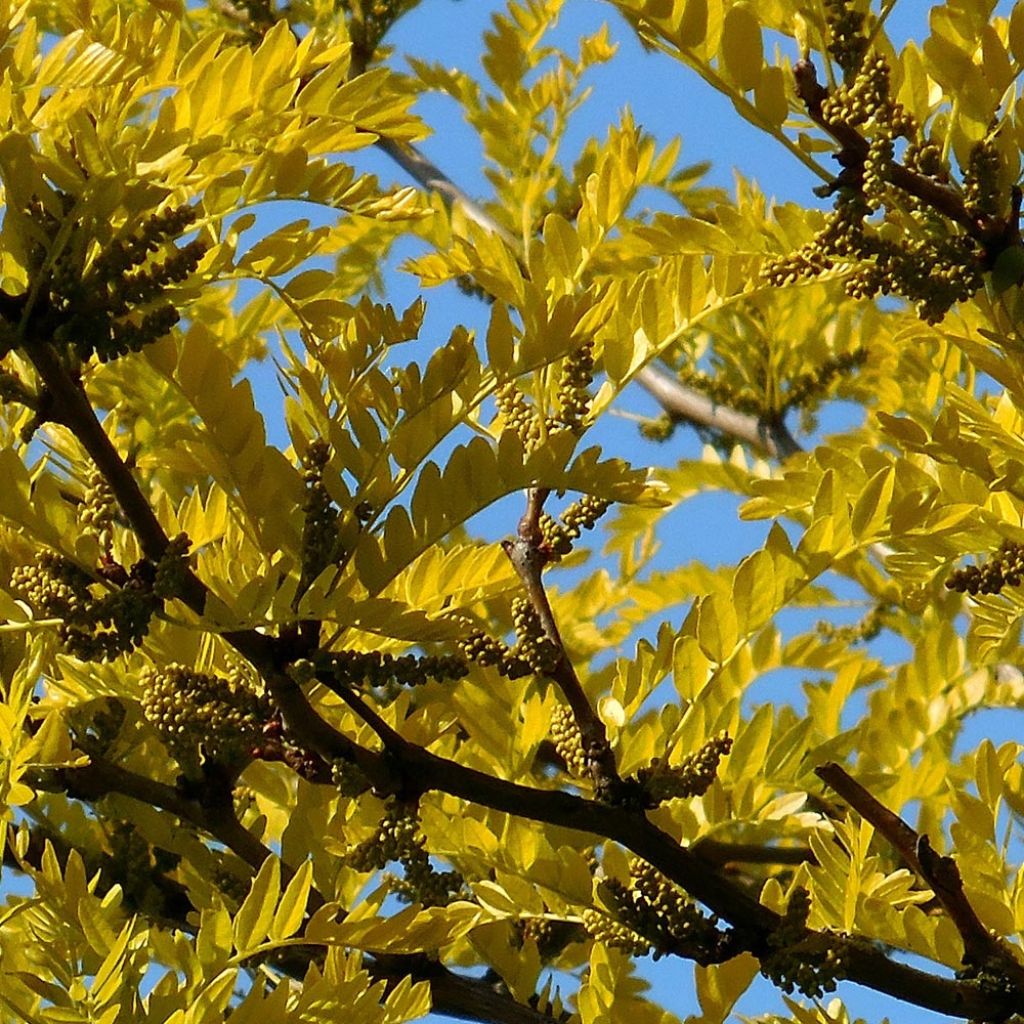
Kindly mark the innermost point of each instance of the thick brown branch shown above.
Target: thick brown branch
(866, 965)
(451, 993)
(941, 874)
(70, 407)
(458, 996)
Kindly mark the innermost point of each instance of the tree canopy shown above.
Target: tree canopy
(287, 736)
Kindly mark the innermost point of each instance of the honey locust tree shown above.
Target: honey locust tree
(286, 736)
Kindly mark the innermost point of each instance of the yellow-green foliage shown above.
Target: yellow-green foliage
(257, 692)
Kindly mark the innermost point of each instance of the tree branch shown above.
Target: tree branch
(993, 233)
(687, 405)
(528, 559)
(450, 993)
(681, 403)
(981, 948)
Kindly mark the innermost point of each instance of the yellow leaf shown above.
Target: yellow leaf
(255, 915)
(742, 47)
(292, 908)
(693, 24)
(717, 628)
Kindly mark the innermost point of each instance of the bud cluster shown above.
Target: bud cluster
(114, 306)
(519, 415)
(652, 907)
(533, 645)
(799, 959)
(398, 838)
(550, 935)
(489, 651)
(568, 741)
(867, 629)
(604, 928)
(203, 716)
(98, 509)
(372, 668)
(533, 652)
(572, 399)
(803, 391)
(559, 534)
(847, 43)
(692, 777)
(512, 663)
(918, 250)
(658, 428)
(321, 545)
(1004, 569)
(349, 778)
(94, 628)
(981, 180)
(574, 388)
(172, 569)
(806, 388)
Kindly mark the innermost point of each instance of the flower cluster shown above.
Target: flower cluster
(867, 629)
(605, 928)
(321, 545)
(568, 741)
(95, 627)
(532, 645)
(398, 838)
(533, 652)
(921, 249)
(574, 388)
(1004, 569)
(203, 717)
(349, 779)
(652, 907)
(98, 509)
(551, 935)
(559, 534)
(172, 569)
(519, 415)
(799, 959)
(489, 651)
(373, 668)
(572, 399)
(115, 304)
(847, 42)
(693, 776)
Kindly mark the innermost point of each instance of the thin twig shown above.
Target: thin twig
(719, 853)
(528, 559)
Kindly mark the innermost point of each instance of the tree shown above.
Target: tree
(286, 738)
